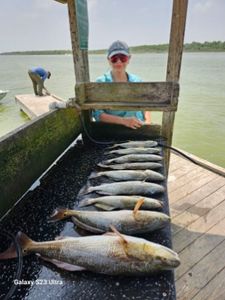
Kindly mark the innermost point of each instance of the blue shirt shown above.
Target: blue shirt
(41, 72)
(107, 77)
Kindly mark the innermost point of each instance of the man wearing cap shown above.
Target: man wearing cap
(118, 58)
(38, 76)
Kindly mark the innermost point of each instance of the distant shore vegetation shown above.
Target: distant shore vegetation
(215, 46)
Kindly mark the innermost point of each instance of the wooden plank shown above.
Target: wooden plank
(174, 63)
(35, 106)
(80, 57)
(202, 192)
(193, 281)
(203, 178)
(193, 231)
(184, 178)
(200, 248)
(154, 93)
(214, 289)
(201, 208)
(128, 106)
(206, 164)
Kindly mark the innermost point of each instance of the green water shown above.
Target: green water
(200, 120)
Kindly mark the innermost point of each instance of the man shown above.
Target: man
(38, 76)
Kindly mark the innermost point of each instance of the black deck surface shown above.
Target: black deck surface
(59, 188)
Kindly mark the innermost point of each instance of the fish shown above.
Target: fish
(125, 188)
(123, 175)
(115, 202)
(125, 221)
(138, 150)
(132, 166)
(110, 254)
(134, 158)
(134, 144)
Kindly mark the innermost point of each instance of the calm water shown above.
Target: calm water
(200, 120)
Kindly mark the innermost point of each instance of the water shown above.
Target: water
(200, 120)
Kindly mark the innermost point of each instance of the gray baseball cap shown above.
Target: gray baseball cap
(118, 47)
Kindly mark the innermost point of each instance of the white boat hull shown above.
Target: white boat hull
(3, 94)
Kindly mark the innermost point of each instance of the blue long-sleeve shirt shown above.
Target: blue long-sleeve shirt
(41, 72)
(107, 77)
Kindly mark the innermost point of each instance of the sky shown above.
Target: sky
(43, 24)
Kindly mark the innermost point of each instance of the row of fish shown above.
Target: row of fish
(114, 253)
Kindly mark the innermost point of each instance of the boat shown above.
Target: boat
(3, 94)
(31, 149)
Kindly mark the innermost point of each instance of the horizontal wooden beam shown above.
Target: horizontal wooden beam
(157, 96)
(128, 106)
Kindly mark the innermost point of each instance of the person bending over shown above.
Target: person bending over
(38, 75)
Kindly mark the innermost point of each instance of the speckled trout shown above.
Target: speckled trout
(125, 175)
(112, 254)
(115, 202)
(134, 144)
(134, 158)
(138, 150)
(133, 166)
(125, 188)
(125, 221)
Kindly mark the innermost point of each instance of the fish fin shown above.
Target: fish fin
(23, 240)
(104, 206)
(62, 265)
(58, 214)
(86, 227)
(139, 203)
(115, 231)
(123, 241)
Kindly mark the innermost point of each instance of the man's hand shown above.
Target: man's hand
(133, 123)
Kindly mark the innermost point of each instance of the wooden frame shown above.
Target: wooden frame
(95, 95)
(157, 96)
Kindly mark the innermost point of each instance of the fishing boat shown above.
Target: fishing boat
(3, 94)
(39, 151)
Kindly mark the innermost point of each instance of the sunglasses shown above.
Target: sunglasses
(123, 58)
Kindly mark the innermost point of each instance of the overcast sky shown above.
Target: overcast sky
(43, 24)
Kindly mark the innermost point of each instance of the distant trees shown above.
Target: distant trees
(214, 46)
(206, 46)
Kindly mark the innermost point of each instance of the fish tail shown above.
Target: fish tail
(87, 189)
(59, 214)
(106, 162)
(112, 147)
(23, 241)
(85, 202)
(101, 165)
(93, 175)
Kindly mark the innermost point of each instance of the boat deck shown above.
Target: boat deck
(35, 106)
(197, 207)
